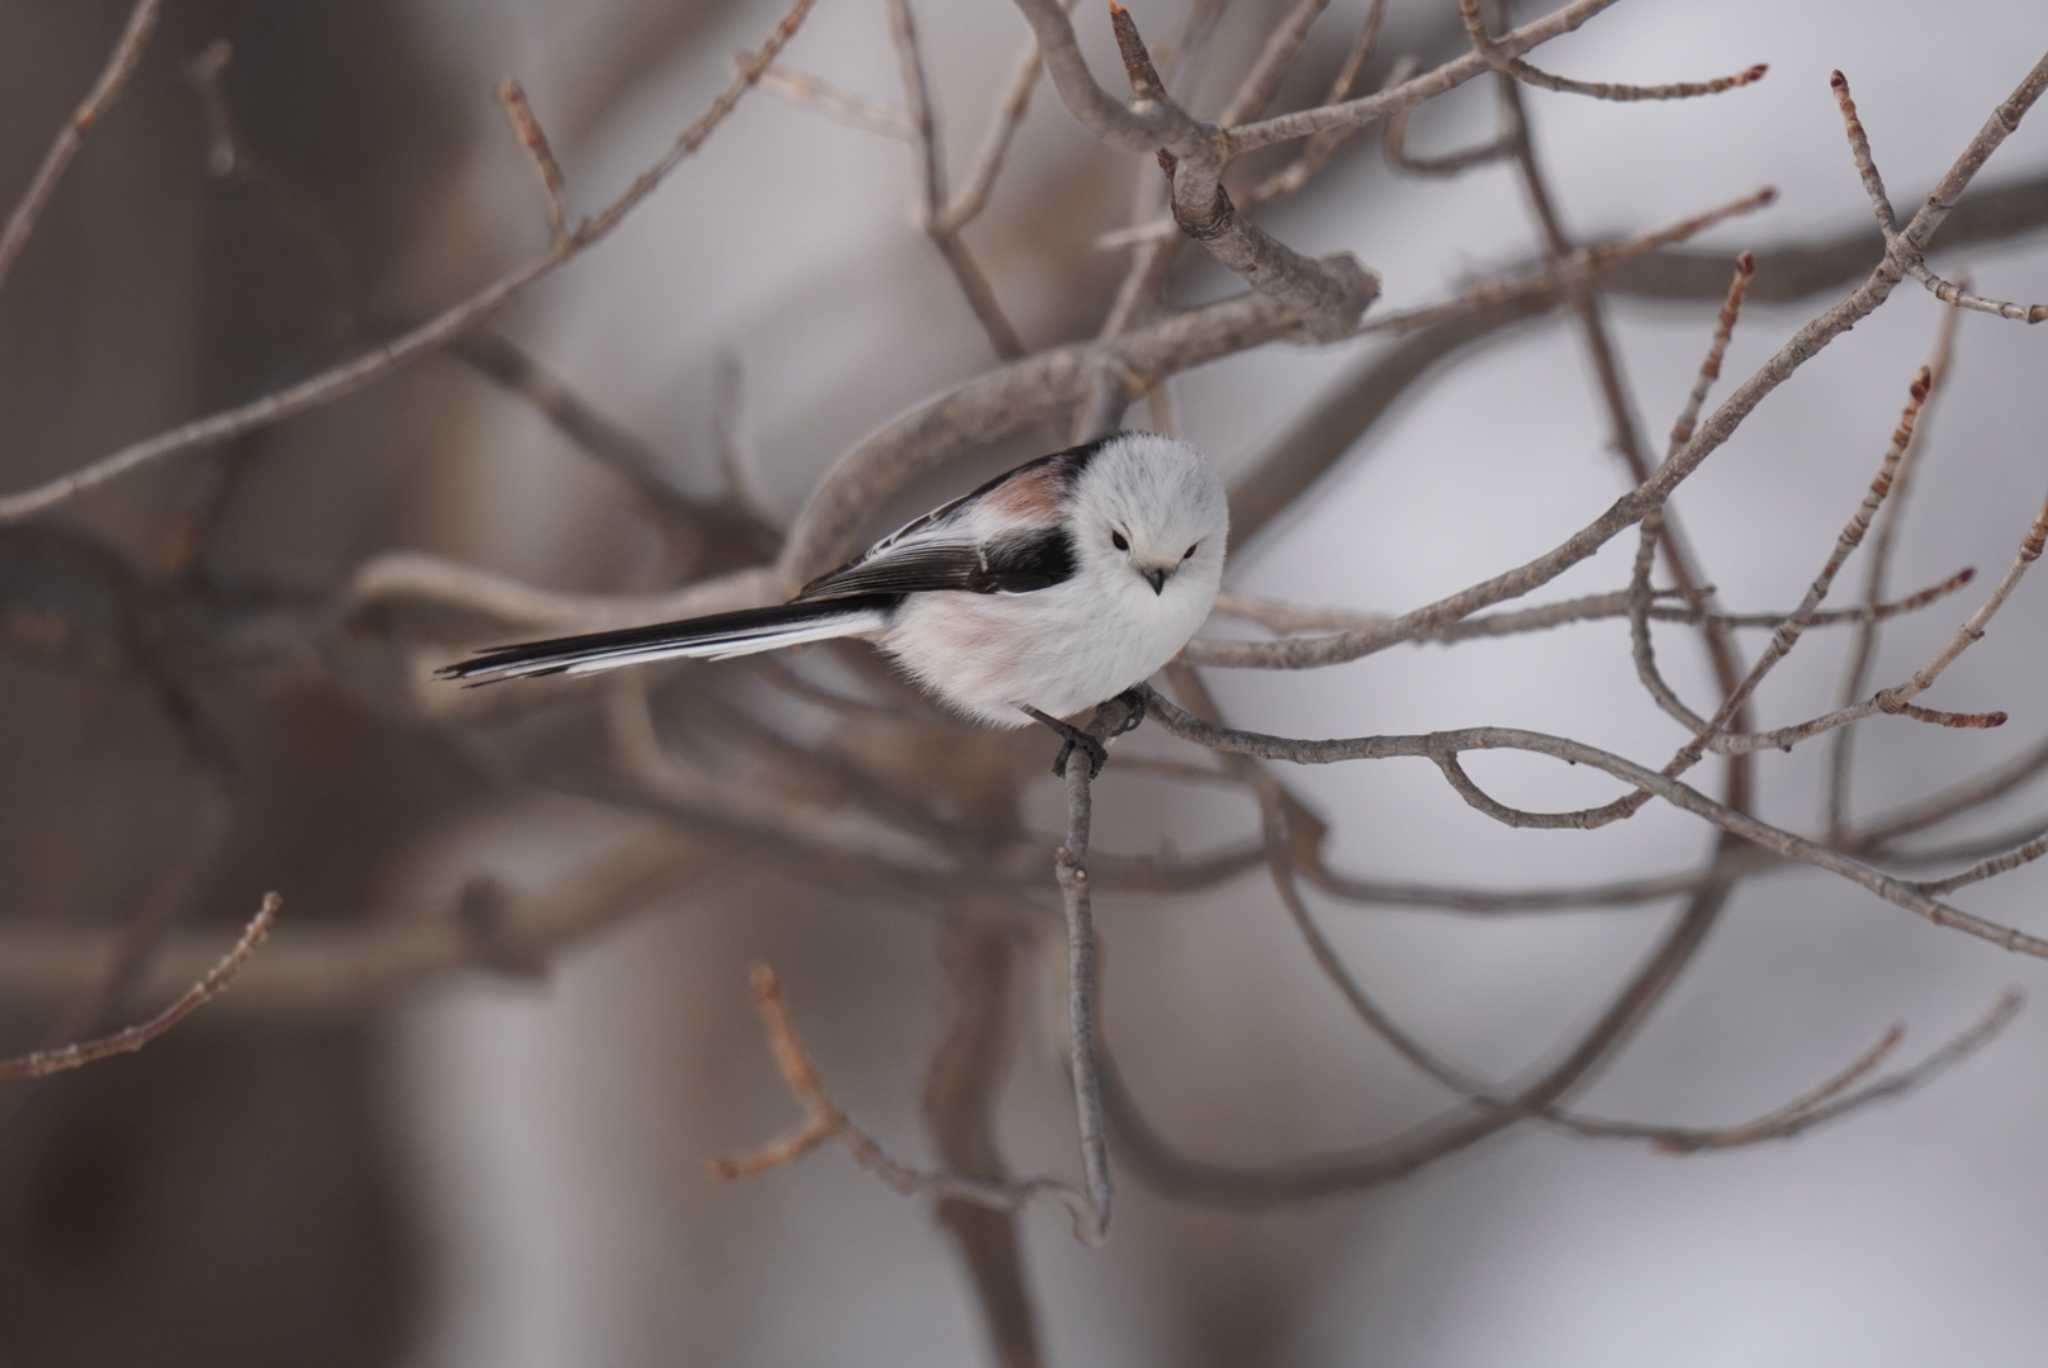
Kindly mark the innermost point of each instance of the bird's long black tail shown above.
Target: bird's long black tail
(711, 638)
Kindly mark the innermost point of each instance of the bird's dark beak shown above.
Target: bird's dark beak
(1157, 579)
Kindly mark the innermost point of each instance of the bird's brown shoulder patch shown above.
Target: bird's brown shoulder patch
(1033, 495)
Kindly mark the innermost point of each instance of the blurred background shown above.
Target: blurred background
(459, 1110)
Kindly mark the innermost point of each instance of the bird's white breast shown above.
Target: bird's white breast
(1061, 650)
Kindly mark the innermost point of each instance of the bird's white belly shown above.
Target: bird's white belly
(1058, 650)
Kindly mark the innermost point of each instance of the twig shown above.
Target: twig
(1947, 292)
(1568, 273)
(736, 458)
(504, 363)
(1863, 650)
(1394, 146)
(121, 63)
(1445, 748)
(1851, 536)
(934, 214)
(1327, 296)
(1652, 531)
(1285, 618)
(408, 347)
(1800, 1114)
(1312, 652)
(1832, 1099)
(43, 1063)
(1989, 868)
(230, 159)
(1897, 700)
(1005, 401)
(1355, 1170)
(1296, 175)
(534, 139)
(841, 106)
(1260, 84)
(1475, 28)
(1070, 868)
(1367, 110)
(995, 149)
(823, 1121)
(962, 1086)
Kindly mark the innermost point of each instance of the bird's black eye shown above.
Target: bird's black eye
(1190, 551)
(1117, 540)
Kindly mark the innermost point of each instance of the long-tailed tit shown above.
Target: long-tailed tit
(1050, 589)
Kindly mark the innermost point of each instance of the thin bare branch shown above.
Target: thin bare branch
(1568, 273)
(121, 63)
(1948, 292)
(962, 1089)
(534, 138)
(823, 1121)
(1475, 28)
(1313, 157)
(1800, 1114)
(1445, 748)
(807, 91)
(1367, 110)
(1394, 145)
(1652, 531)
(503, 362)
(1002, 132)
(1071, 869)
(1327, 296)
(1806, 343)
(1255, 93)
(934, 213)
(1863, 650)
(385, 359)
(1989, 868)
(1285, 618)
(43, 1063)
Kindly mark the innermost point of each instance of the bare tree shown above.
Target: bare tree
(893, 808)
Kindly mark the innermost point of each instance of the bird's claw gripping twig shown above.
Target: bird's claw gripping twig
(1133, 699)
(1075, 739)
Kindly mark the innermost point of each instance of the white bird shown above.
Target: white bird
(1055, 587)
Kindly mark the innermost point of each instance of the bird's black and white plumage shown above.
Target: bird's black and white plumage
(1050, 589)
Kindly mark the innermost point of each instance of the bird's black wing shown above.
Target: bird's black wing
(1067, 464)
(1019, 563)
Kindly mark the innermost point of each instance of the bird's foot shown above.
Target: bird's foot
(1075, 739)
(1134, 699)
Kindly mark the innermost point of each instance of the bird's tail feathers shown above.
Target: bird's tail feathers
(718, 637)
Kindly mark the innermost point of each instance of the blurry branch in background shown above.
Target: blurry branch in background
(1394, 144)
(1823, 1103)
(120, 66)
(806, 91)
(534, 140)
(823, 1121)
(42, 1063)
(1567, 272)
(936, 213)
(1090, 1208)
(389, 357)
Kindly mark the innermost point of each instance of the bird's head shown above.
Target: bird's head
(1150, 515)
